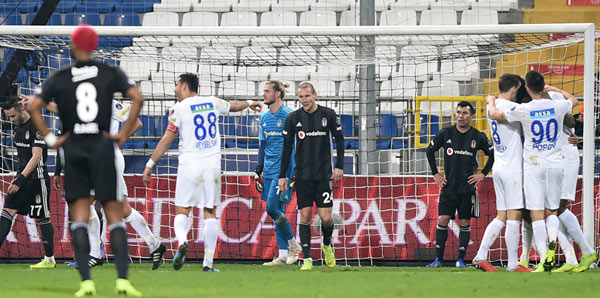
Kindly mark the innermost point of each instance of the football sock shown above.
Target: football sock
(81, 247)
(6, 221)
(181, 226)
(327, 232)
(210, 241)
(540, 237)
(47, 232)
(139, 224)
(94, 234)
(489, 236)
(568, 219)
(463, 241)
(511, 236)
(305, 239)
(552, 224)
(441, 234)
(118, 243)
(566, 245)
(527, 232)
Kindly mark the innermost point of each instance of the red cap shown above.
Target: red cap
(85, 37)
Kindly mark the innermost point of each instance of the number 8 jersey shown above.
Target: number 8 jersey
(197, 120)
(542, 121)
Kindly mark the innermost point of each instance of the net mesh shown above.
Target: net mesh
(388, 211)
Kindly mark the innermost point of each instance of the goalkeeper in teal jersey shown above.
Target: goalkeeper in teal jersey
(267, 171)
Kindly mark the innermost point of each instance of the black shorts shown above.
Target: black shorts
(90, 164)
(318, 191)
(32, 199)
(450, 204)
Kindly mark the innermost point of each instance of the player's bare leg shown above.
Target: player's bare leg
(327, 229)
(211, 230)
(139, 224)
(304, 230)
(182, 227)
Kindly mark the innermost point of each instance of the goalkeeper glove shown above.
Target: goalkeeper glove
(258, 180)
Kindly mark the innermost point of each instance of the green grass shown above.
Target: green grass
(259, 281)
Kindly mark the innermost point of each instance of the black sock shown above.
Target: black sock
(5, 223)
(327, 231)
(47, 231)
(463, 241)
(305, 239)
(118, 243)
(81, 247)
(441, 234)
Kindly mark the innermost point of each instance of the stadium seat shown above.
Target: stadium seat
(398, 17)
(241, 18)
(334, 5)
(227, 125)
(12, 19)
(418, 5)
(122, 19)
(135, 6)
(278, 18)
(347, 123)
(324, 87)
(97, 7)
(163, 18)
(55, 19)
(236, 88)
(174, 5)
(214, 5)
(90, 18)
(420, 67)
(200, 18)
(318, 18)
(253, 5)
(460, 63)
(387, 126)
(248, 125)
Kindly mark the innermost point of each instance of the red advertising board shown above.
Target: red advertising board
(583, 2)
(387, 218)
(558, 69)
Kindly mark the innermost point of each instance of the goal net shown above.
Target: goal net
(393, 88)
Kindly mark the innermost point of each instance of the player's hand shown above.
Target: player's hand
(338, 174)
(490, 99)
(573, 139)
(146, 176)
(12, 189)
(56, 182)
(256, 106)
(440, 180)
(475, 178)
(282, 184)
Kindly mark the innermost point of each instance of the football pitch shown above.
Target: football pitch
(236, 280)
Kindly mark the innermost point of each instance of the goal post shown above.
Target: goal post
(388, 201)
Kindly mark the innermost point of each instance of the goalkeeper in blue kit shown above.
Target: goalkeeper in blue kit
(267, 172)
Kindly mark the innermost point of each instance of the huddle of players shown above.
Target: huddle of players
(534, 179)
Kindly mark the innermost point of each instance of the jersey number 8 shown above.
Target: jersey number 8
(87, 107)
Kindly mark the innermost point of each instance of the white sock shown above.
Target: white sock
(94, 233)
(292, 243)
(527, 232)
(491, 233)
(211, 231)
(511, 236)
(552, 224)
(569, 220)
(139, 224)
(566, 245)
(50, 259)
(181, 228)
(540, 237)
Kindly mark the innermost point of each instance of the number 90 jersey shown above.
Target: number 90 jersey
(197, 120)
(83, 94)
(542, 121)
(508, 148)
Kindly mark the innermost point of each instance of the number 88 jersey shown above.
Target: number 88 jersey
(542, 121)
(196, 119)
(508, 148)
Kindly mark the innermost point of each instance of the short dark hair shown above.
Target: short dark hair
(508, 81)
(465, 103)
(535, 81)
(191, 80)
(522, 94)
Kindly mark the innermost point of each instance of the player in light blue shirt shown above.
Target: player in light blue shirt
(269, 160)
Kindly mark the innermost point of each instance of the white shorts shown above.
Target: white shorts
(569, 182)
(509, 190)
(542, 187)
(198, 187)
(120, 166)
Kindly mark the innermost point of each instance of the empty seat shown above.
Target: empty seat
(174, 5)
(278, 18)
(90, 18)
(318, 18)
(239, 18)
(214, 5)
(460, 63)
(122, 19)
(237, 88)
(200, 18)
(162, 18)
(97, 7)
